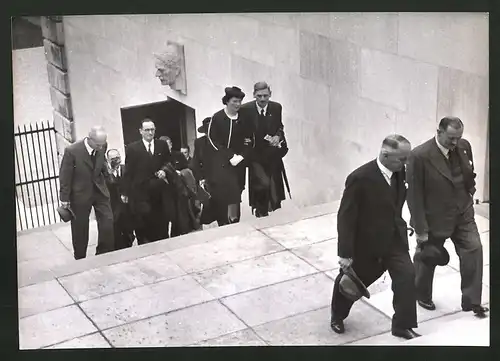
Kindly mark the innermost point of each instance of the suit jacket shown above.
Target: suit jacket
(431, 192)
(78, 178)
(274, 125)
(141, 168)
(370, 215)
(197, 164)
(178, 160)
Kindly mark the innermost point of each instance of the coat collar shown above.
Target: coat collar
(438, 160)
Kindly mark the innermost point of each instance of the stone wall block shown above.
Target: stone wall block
(61, 103)
(58, 78)
(52, 30)
(55, 54)
(64, 126)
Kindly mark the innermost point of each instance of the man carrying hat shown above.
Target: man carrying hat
(372, 238)
(441, 185)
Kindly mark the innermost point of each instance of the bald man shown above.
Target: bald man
(83, 186)
(372, 235)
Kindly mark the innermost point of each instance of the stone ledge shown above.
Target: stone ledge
(52, 29)
(61, 103)
(212, 234)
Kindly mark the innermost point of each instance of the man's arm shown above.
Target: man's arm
(347, 217)
(66, 175)
(416, 195)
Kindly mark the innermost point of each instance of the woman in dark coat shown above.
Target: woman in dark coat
(230, 142)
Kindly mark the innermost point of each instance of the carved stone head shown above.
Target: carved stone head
(170, 66)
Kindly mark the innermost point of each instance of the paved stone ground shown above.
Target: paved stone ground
(261, 282)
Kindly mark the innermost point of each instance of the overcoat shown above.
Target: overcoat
(269, 157)
(226, 138)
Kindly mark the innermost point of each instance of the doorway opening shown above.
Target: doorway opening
(172, 118)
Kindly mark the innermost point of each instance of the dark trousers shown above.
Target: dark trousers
(151, 216)
(80, 225)
(123, 230)
(397, 261)
(470, 252)
(261, 188)
(227, 214)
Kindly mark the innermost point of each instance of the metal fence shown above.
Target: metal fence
(37, 173)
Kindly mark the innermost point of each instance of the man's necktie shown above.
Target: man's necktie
(93, 158)
(453, 159)
(149, 148)
(394, 184)
(262, 113)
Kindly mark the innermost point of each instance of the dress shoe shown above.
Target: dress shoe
(337, 326)
(407, 334)
(479, 311)
(428, 305)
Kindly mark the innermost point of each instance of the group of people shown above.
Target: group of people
(160, 192)
(437, 181)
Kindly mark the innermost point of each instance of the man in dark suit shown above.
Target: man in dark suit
(145, 186)
(83, 186)
(441, 186)
(265, 167)
(123, 228)
(372, 235)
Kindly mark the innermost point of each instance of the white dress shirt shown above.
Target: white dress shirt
(445, 151)
(385, 172)
(89, 148)
(259, 109)
(146, 144)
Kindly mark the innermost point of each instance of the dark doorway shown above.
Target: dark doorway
(172, 118)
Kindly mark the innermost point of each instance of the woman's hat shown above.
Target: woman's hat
(232, 92)
(204, 126)
(432, 254)
(352, 287)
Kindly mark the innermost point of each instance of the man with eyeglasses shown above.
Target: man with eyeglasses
(83, 186)
(145, 188)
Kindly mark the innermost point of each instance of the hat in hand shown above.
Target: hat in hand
(432, 254)
(66, 214)
(351, 286)
(204, 126)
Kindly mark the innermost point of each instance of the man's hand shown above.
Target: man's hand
(422, 238)
(202, 183)
(160, 174)
(65, 205)
(345, 263)
(124, 199)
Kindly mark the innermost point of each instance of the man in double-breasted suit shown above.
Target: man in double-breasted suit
(266, 171)
(83, 186)
(372, 235)
(123, 225)
(441, 185)
(144, 184)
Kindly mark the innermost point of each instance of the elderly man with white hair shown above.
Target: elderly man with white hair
(83, 186)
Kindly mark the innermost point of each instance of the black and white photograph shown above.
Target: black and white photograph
(252, 179)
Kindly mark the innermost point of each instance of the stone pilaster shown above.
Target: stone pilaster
(57, 69)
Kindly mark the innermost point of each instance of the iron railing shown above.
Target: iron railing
(37, 173)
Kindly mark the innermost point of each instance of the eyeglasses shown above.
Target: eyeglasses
(149, 130)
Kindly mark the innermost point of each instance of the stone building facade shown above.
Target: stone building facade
(345, 80)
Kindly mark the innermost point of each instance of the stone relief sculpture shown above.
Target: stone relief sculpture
(170, 67)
